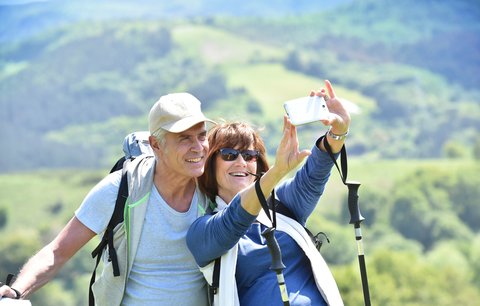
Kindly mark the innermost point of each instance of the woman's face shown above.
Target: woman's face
(232, 174)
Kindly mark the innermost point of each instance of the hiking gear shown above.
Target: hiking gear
(324, 279)
(123, 239)
(282, 209)
(109, 289)
(134, 145)
(355, 219)
(176, 112)
(17, 293)
(226, 287)
(8, 281)
(277, 264)
(355, 216)
(275, 252)
(325, 286)
(229, 154)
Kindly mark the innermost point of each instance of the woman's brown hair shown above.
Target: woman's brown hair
(238, 135)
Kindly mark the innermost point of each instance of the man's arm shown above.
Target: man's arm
(44, 265)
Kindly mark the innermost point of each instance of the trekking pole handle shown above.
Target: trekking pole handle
(277, 264)
(355, 215)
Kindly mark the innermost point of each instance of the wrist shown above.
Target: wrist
(17, 293)
(276, 173)
(336, 135)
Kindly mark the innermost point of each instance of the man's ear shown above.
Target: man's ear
(154, 143)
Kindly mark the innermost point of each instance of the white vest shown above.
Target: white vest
(227, 294)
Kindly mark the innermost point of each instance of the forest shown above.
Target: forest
(77, 76)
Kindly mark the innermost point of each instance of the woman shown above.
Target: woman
(234, 233)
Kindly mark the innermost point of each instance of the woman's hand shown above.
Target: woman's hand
(339, 118)
(288, 156)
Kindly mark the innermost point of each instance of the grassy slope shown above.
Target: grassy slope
(238, 58)
(29, 197)
(216, 46)
(378, 174)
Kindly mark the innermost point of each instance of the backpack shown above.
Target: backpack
(134, 145)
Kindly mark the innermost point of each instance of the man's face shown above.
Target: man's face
(184, 153)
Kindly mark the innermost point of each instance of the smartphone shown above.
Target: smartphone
(306, 110)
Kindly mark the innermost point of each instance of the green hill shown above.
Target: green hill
(95, 80)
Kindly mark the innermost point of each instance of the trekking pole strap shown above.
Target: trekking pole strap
(272, 244)
(343, 158)
(264, 204)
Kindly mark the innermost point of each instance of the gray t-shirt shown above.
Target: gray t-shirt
(164, 272)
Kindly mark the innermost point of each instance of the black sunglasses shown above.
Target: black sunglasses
(229, 154)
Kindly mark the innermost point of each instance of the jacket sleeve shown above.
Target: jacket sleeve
(302, 192)
(211, 236)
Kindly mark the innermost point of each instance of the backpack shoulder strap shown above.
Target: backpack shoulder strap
(118, 165)
(213, 288)
(118, 212)
(107, 239)
(284, 210)
(280, 208)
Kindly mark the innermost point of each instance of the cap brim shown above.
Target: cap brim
(185, 123)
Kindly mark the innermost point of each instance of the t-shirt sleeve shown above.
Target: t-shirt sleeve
(97, 207)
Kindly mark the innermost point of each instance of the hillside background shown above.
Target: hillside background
(77, 76)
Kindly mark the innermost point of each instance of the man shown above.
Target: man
(156, 267)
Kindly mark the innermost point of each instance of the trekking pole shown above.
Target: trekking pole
(356, 218)
(277, 264)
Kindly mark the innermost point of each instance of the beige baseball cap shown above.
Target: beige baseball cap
(176, 112)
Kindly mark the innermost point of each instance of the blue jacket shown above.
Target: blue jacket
(212, 236)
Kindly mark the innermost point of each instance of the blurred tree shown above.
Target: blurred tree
(400, 278)
(16, 248)
(429, 203)
(54, 294)
(465, 195)
(449, 254)
(453, 149)
(409, 214)
(349, 283)
(476, 148)
(293, 61)
(209, 87)
(3, 217)
(472, 251)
